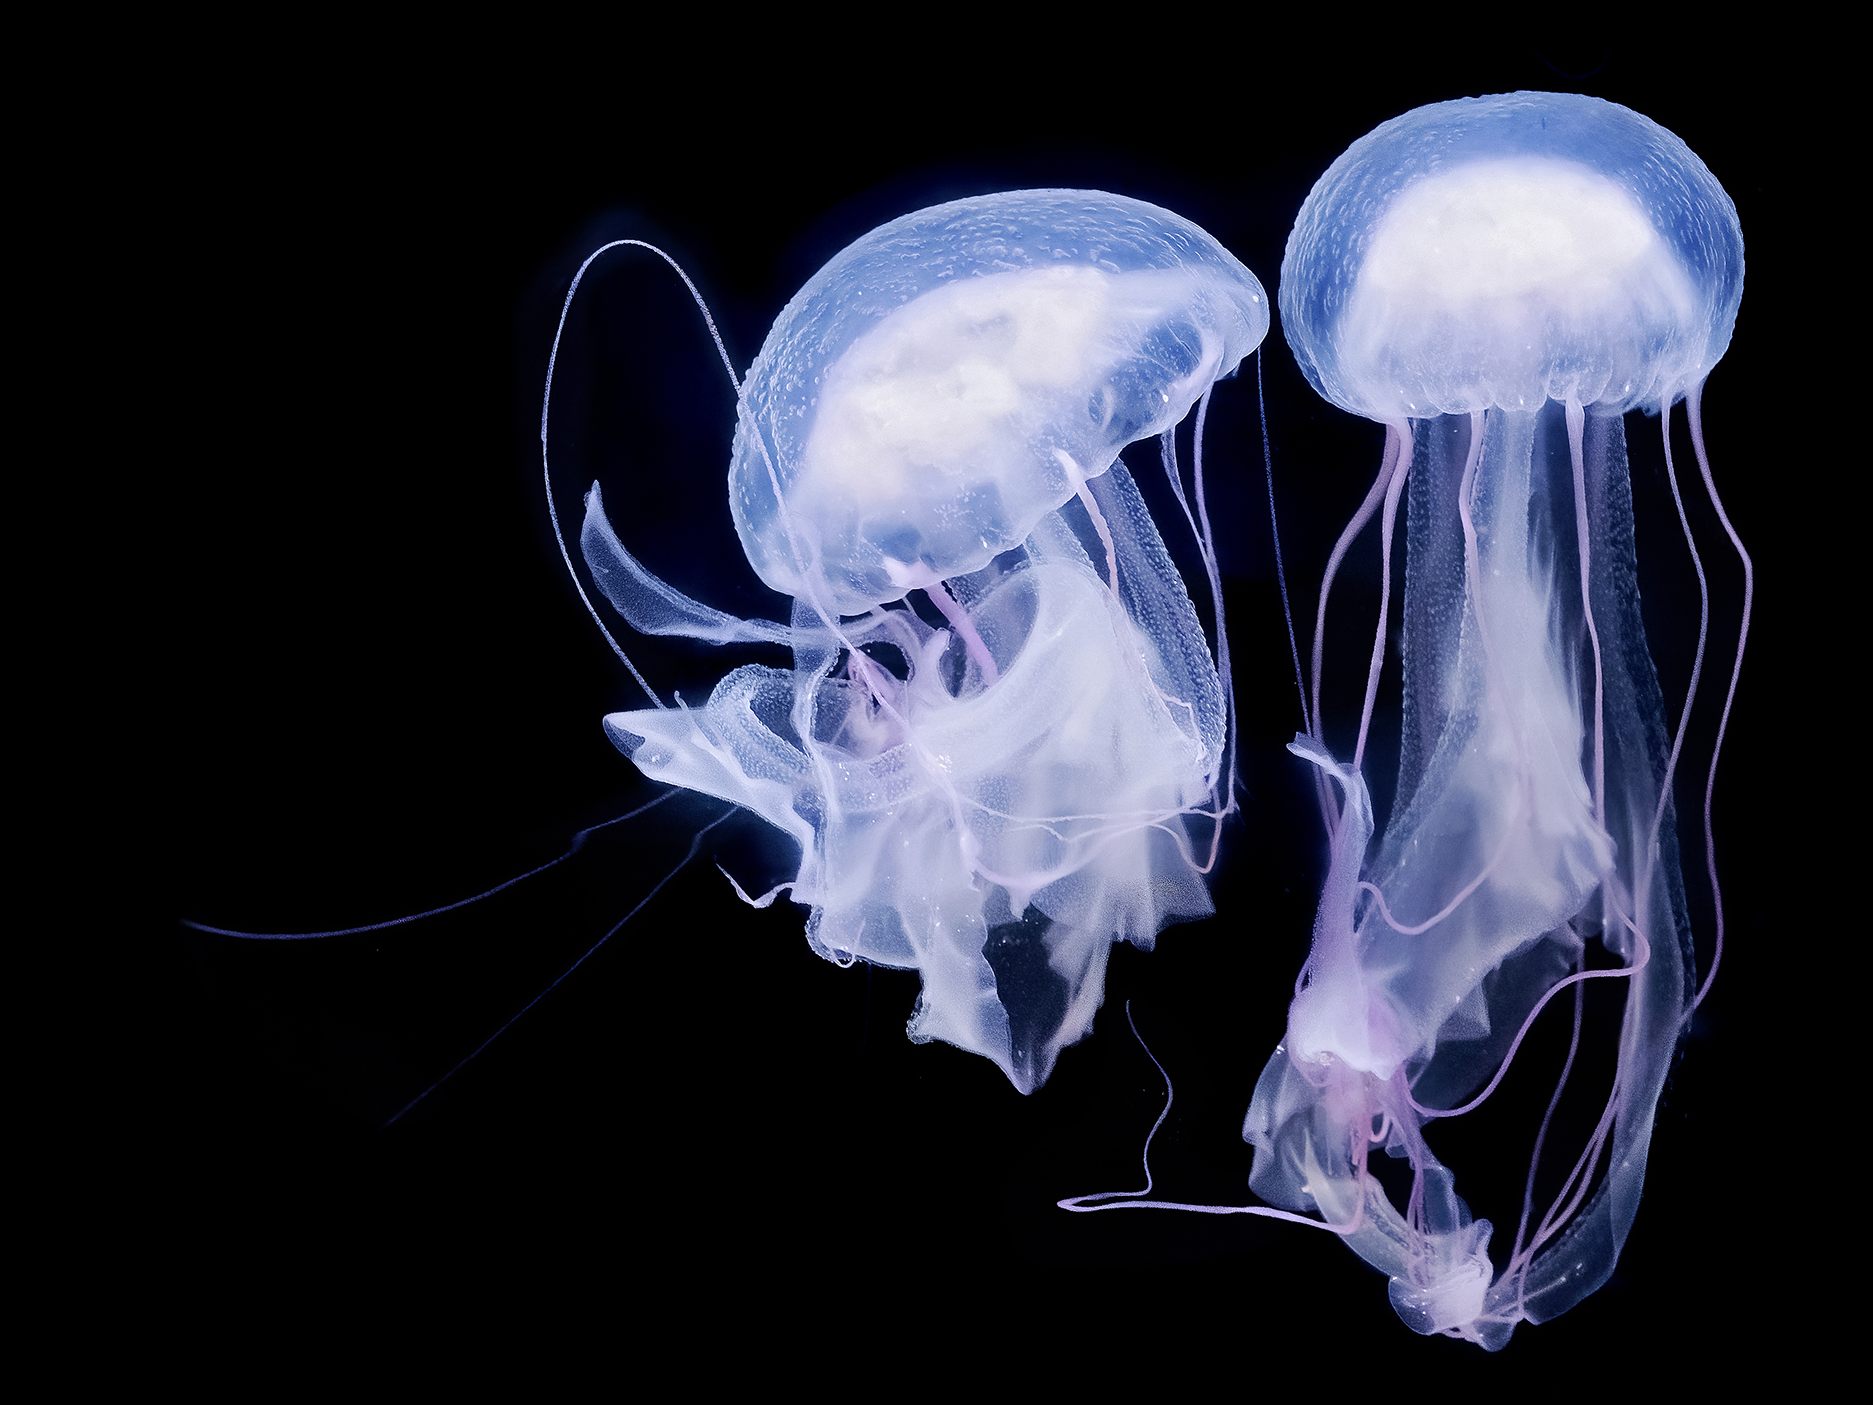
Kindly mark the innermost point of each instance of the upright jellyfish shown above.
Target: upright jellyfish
(1004, 743)
(1498, 281)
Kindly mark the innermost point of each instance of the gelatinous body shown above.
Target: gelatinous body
(1498, 281)
(1002, 708)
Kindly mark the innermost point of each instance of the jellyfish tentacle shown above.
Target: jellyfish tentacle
(1541, 1139)
(1393, 489)
(1223, 794)
(1267, 1212)
(1281, 569)
(651, 605)
(1576, 424)
(546, 406)
(1078, 1202)
(794, 537)
(1493, 681)
(695, 847)
(1443, 914)
(1231, 722)
(1388, 462)
(1222, 791)
(1694, 413)
(1167, 454)
(1206, 552)
(1479, 606)
(1076, 476)
(1141, 1199)
(965, 628)
(1574, 1190)
(765, 900)
(803, 546)
(578, 843)
(1648, 860)
(1515, 1045)
(1093, 841)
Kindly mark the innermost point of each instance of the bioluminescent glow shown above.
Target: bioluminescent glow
(1499, 281)
(1004, 742)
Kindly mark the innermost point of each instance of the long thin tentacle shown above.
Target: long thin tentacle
(546, 407)
(1694, 412)
(578, 842)
(695, 847)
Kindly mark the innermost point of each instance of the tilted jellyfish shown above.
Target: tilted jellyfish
(994, 787)
(1498, 281)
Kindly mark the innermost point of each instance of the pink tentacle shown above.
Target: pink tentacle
(965, 628)
(1388, 461)
(1139, 1199)
(1541, 1138)
(1502, 1070)
(1576, 425)
(1648, 860)
(1400, 471)
(1694, 412)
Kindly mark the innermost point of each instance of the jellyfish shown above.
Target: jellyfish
(1499, 282)
(1004, 742)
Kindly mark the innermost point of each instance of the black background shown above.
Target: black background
(381, 694)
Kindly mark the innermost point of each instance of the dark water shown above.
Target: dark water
(379, 693)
